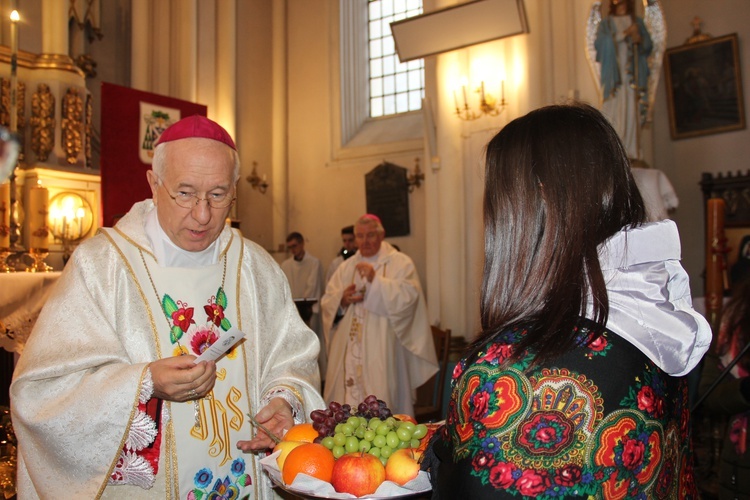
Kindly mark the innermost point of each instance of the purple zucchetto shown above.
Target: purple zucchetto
(196, 126)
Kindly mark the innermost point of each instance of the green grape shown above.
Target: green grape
(347, 429)
(363, 421)
(369, 435)
(374, 423)
(420, 431)
(364, 445)
(391, 421)
(382, 430)
(353, 421)
(408, 425)
(339, 439)
(374, 451)
(383, 460)
(378, 441)
(386, 451)
(338, 451)
(414, 443)
(337, 429)
(404, 434)
(352, 444)
(360, 432)
(403, 444)
(327, 442)
(392, 439)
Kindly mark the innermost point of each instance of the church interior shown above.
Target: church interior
(288, 79)
(281, 77)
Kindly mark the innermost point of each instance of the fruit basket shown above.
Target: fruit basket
(310, 487)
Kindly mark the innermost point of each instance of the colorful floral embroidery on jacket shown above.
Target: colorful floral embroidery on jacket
(569, 428)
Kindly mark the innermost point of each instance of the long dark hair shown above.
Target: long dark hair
(557, 185)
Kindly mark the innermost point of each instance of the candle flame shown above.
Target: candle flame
(14, 16)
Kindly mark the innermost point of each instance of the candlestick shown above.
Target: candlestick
(14, 17)
(5, 215)
(37, 216)
(466, 102)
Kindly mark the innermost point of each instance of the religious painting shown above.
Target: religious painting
(704, 88)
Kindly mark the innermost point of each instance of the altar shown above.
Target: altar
(22, 296)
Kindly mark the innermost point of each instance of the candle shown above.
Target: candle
(455, 99)
(482, 91)
(466, 102)
(502, 91)
(37, 217)
(13, 68)
(80, 214)
(5, 215)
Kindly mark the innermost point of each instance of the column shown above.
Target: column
(140, 56)
(226, 64)
(54, 27)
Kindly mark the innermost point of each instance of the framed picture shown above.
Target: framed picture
(704, 88)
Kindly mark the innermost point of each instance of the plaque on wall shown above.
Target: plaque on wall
(387, 193)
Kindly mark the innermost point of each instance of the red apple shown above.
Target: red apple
(357, 473)
(402, 466)
(405, 418)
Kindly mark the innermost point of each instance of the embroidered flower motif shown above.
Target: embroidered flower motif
(533, 482)
(649, 402)
(215, 313)
(202, 340)
(568, 476)
(238, 466)
(501, 475)
(545, 432)
(179, 350)
(203, 478)
(223, 490)
(183, 317)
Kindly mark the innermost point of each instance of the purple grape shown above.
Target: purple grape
(318, 415)
(330, 422)
(370, 398)
(334, 406)
(324, 431)
(329, 412)
(347, 408)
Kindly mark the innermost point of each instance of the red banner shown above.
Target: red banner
(132, 121)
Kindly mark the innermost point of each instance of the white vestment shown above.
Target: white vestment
(76, 387)
(397, 352)
(306, 282)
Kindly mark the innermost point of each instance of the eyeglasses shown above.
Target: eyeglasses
(186, 199)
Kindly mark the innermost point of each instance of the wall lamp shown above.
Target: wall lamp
(415, 179)
(256, 181)
(488, 104)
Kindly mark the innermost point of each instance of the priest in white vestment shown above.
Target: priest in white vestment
(376, 328)
(305, 274)
(107, 399)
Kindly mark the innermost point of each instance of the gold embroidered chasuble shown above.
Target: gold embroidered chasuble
(78, 383)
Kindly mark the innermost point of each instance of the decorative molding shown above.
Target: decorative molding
(42, 122)
(72, 125)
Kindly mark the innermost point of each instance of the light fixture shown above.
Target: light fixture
(257, 182)
(415, 179)
(488, 104)
(70, 219)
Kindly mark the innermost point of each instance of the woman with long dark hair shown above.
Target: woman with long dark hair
(574, 385)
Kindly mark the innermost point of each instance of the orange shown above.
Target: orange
(301, 432)
(312, 459)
